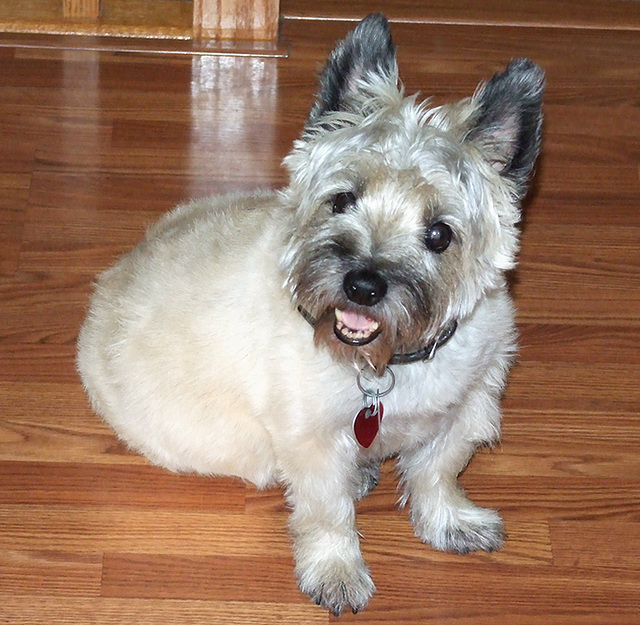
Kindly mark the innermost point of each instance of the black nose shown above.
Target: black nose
(364, 287)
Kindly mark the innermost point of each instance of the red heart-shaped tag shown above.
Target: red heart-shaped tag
(366, 425)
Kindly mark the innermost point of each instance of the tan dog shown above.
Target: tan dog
(300, 337)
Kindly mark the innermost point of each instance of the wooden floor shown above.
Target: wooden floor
(94, 146)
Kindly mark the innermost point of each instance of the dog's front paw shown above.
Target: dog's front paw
(337, 586)
(463, 529)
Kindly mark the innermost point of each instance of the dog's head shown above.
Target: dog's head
(405, 216)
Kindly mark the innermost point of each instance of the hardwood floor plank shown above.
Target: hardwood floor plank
(448, 54)
(81, 529)
(530, 590)
(50, 573)
(622, 14)
(575, 386)
(570, 498)
(11, 229)
(582, 343)
(52, 422)
(66, 241)
(56, 303)
(210, 578)
(44, 363)
(145, 487)
(596, 263)
(565, 444)
(29, 610)
(507, 595)
(594, 546)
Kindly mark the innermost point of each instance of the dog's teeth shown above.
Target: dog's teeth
(355, 333)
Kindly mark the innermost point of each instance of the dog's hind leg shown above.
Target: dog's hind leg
(369, 477)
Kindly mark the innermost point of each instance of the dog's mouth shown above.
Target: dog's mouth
(355, 329)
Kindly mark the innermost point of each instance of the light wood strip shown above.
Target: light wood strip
(591, 546)
(142, 18)
(81, 9)
(574, 386)
(81, 529)
(443, 593)
(146, 487)
(253, 20)
(29, 610)
(50, 573)
(210, 578)
(622, 14)
(52, 422)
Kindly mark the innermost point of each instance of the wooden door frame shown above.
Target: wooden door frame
(228, 20)
(237, 20)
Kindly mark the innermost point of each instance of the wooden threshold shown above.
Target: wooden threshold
(172, 19)
(220, 20)
(578, 14)
(168, 46)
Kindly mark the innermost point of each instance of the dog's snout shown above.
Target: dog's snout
(364, 287)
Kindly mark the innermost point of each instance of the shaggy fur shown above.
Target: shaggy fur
(398, 221)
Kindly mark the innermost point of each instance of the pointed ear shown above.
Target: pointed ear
(367, 54)
(507, 123)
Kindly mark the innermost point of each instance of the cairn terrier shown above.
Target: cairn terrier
(303, 336)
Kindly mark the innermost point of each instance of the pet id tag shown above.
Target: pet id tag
(366, 424)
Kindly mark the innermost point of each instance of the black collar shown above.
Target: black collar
(426, 353)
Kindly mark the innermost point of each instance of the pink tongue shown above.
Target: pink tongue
(355, 321)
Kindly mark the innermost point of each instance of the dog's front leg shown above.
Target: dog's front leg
(441, 513)
(322, 485)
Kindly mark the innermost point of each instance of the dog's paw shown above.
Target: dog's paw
(462, 530)
(337, 588)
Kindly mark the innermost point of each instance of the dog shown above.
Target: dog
(302, 336)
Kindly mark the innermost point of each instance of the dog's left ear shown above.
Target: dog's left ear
(365, 56)
(507, 123)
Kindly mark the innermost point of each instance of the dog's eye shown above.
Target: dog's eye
(438, 237)
(342, 201)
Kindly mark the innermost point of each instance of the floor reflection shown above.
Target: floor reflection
(233, 121)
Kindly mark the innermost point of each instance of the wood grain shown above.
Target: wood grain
(237, 20)
(253, 20)
(132, 18)
(96, 145)
(597, 14)
(81, 9)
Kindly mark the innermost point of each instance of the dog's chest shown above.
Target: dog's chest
(418, 407)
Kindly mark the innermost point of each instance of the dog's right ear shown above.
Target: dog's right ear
(366, 56)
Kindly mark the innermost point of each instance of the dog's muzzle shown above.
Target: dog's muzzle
(364, 288)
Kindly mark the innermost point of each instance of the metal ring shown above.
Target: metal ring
(371, 392)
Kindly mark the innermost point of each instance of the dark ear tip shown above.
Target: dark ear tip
(373, 33)
(524, 65)
(374, 21)
(524, 71)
